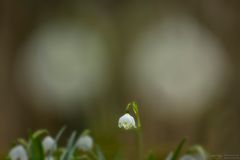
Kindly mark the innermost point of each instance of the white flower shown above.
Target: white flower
(127, 122)
(188, 157)
(48, 144)
(85, 143)
(18, 153)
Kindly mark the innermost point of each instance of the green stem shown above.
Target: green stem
(140, 143)
(134, 107)
(138, 121)
(139, 132)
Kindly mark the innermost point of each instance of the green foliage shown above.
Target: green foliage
(59, 134)
(39, 133)
(134, 106)
(35, 151)
(35, 145)
(68, 153)
(178, 149)
(23, 142)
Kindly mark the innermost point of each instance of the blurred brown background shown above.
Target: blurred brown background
(78, 63)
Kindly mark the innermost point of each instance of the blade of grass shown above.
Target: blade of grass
(23, 142)
(39, 133)
(59, 134)
(178, 149)
(70, 147)
(36, 149)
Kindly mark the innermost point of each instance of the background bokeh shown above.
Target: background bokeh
(78, 63)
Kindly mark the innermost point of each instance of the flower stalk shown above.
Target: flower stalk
(134, 107)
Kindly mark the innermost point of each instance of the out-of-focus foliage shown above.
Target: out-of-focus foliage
(35, 149)
(83, 147)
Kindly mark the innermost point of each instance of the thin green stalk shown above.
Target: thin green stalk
(140, 143)
(139, 128)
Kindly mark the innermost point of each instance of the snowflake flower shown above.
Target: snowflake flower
(85, 143)
(126, 122)
(18, 153)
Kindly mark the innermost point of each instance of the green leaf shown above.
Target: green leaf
(178, 149)
(23, 142)
(36, 149)
(135, 107)
(70, 147)
(100, 154)
(59, 134)
(39, 133)
(128, 107)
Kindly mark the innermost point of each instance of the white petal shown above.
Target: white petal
(126, 121)
(18, 153)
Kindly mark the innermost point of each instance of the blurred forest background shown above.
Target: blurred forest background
(78, 63)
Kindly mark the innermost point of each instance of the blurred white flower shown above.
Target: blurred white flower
(127, 122)
(48, 144)
(85, 143)
(18, 153)
(188, 157)
(197, 59)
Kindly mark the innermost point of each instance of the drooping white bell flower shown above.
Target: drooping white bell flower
(127, 122)
(85, 143)
(18, 153)
(48, 144)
